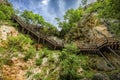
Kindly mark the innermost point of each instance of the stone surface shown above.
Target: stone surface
(100, 76)
(16, 71)
(115, 76)
(6, 30)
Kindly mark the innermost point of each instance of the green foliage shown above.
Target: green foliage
(5, 60)
(36, 19)
(32, 18)
(69, 63)
(84, 62)
(94, 7)
(44, 52)
(19, 43)
(71, 17)
(37, 76)
(88, 74)
(115, 28)
(29, 54)
(2, 50)
(38, 61)
(71, 48)
(111, 9)
(49, 29)
(28, 73)
(5, 12)
(2, 16)
(108, 9)
(69, 66)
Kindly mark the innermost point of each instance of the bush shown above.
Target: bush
(69, 63)
(84, 62)
(69, 68)
(30, 54)
(71, 48)
(5, 60)
(38, 61)
(19, 43)
(6, 12)
(2, 16)
(2, 50)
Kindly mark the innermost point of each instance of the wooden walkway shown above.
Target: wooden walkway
(101, 44)
(39, 37)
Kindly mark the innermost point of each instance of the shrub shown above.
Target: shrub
(29, 54)
(38, 61)
(69, 63)
(6, 12)
(71, 48)
(69, 68)
(20, 43)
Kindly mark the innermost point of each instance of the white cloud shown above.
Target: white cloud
(45, 2)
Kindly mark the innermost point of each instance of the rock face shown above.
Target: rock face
(6, 31)
(102, 29)
(16, 71)
(100, 76)
(115, 76)
(1, 1)
(88, 31)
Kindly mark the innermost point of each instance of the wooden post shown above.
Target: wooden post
(54, 47)
(37, 45)
(106, 59)
(22, 30)
(27, 32)
(43, 41)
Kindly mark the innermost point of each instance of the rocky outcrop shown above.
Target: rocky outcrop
(100, 76)
(115, 76)
(88, 31)
(7, 31)
(16, 71)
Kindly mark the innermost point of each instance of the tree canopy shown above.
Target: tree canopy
(32, 18)
(36, 19)
(6, 12)
(105, 9)
(71, 17)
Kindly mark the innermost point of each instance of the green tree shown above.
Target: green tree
(35, 19)
(6, 12)
(71, 18)
(32, 18)
(2, 16)
(111, 9)
(111, 12)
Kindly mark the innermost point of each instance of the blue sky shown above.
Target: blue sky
(49, 9)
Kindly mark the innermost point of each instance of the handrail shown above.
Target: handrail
(40, 35)
(100, 43)
(104, 41)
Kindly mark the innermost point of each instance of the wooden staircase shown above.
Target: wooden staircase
(39, 37)
(101, 43)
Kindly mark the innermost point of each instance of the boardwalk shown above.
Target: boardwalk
(39, 37)
(101, 44)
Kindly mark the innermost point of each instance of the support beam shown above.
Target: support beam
(113, 52)
(106, 59)
(27, 32)
(22, 30)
